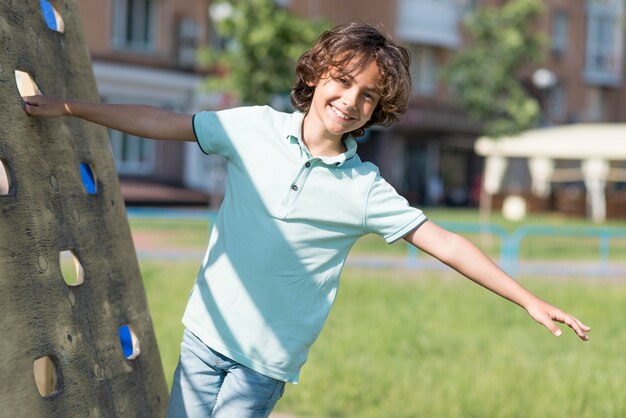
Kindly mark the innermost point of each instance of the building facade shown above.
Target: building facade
(429, 155)
(579, 80)
(144, 51)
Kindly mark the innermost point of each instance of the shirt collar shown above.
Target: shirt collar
(293, 133)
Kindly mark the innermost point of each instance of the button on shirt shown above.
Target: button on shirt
(282, 234)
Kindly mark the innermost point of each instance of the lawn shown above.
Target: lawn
(405, 343)
(439, 346)
(413, 344)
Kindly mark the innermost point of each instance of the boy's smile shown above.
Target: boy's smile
(341, 103)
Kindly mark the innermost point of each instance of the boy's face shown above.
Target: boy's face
(344, 102)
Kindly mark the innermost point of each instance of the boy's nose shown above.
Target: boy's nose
(350, 99)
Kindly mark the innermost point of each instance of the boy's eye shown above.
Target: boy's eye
(369, 96)
(344, 81)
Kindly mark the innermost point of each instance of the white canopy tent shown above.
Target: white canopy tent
(595, 145)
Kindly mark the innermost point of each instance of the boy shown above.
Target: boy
(298, 198)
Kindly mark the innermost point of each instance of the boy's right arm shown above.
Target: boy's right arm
(463, 256)
(139, 120)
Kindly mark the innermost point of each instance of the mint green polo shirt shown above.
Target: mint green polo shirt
(271, 271)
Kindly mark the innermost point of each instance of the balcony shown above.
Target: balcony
(429, 22)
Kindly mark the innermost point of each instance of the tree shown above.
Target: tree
(263, 42)
(485, 74)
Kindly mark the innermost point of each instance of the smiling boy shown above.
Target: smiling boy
(342, 103)
(298, 198)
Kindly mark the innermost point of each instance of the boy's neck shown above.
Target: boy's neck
(319, 144)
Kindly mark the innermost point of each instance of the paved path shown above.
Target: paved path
(151, 246)
(559, 269)
(562, 268)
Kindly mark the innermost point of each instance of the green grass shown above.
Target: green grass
(438, 347)
(167, 285)
(414, 344)
(431, 344)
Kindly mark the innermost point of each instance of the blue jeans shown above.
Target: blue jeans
(208, 384)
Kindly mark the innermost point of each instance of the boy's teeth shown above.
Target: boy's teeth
(338, 113)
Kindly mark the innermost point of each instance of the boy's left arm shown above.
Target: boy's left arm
(463, 256)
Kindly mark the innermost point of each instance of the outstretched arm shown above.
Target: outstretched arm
(463, 256)
(143, 121)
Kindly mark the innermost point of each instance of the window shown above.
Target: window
(560, 27)
(467, 7)
(557, 102)
(187, 42)
(134, 25)
(428, 22)
(132, 155)
(603, 60)
(219, 12)
(595, 107)
(424, 70)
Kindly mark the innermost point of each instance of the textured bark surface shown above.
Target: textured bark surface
(47, 211)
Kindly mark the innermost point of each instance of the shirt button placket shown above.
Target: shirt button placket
(301, 176)
(295, 187)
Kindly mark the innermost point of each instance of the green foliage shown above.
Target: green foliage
(263, 43)
(485, 74)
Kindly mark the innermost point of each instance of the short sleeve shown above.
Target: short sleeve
(212, 133)
(388, 214)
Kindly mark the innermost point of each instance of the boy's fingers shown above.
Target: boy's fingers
(583, 326)
(32, 105)
(553, 328)
(548, 317)
(576, 325)
(26, 105)
(27, 108)
(30, 109)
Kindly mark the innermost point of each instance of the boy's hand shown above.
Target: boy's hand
(546, 314)
(45, 106)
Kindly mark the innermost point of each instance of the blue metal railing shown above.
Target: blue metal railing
(472, 228)
(603, 234)
(510, 245)
(510, 242)
(171, 213)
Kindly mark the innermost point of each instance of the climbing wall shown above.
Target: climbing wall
(76, 337)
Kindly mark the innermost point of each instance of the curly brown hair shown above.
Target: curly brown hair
(349, 48)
